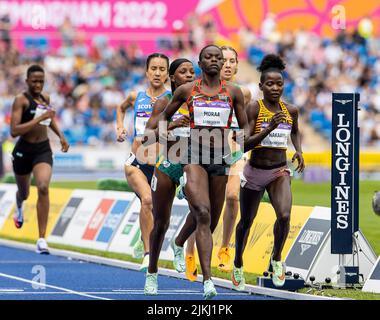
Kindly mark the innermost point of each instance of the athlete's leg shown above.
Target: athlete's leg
(42, 174)
(217, 185)
(187, 231)
(23, 186)
(162, 196)
(249, 204)
(197, 193)
(217, 190)
(190, 245)
(281, 198)
(139, 184)
(231, 208)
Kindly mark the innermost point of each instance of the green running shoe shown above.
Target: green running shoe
(278, 276)
(209, 290)
(179, 257)
(151, 284)
(238, 280)
(145, 264)
(138, 249)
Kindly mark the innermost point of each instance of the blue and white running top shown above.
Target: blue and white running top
(142, 111)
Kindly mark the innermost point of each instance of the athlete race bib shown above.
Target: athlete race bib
(142, 118)
(180, 131)
(211, 113)
(278, 138)
(40, 110)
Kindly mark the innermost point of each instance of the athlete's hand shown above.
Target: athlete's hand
(50, 113)
(64, 145)
(301, 162)
(183, 121)
(121, 133)
(277, 119)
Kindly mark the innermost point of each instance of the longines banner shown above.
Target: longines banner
(345, 172)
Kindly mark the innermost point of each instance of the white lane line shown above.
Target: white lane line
(10, 290)
(161, 290)
(115, 293)
(52, 287)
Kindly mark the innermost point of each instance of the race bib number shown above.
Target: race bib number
(278, 138)
(141, 121)
(40, 110)
(211, 113)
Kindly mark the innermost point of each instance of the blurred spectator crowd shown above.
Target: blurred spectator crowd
(87, 82)
(316, 67)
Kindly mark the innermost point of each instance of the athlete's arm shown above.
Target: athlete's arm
(180, 96)
(151, 128)
(241, 116)
(252, 113)
(158, 107)
(295, 136)
(18, 128)
(120, 115)
(247, 95)
(54, 127)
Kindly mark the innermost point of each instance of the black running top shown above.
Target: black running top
(29, 112)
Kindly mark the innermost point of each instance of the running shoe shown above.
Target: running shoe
(42, 246)
(224, 257)
(209, 290)
(191, 268)
(18, 217)
(179, 259)
(238, 280)
(278, 276)
(145, 264)
(138, 249)
(151, 284)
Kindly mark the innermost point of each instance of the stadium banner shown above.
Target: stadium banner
(144, 22)
(233, 16)
(310, 254)
(29, 230)
(260, 240)
(129, 231)
(344, 173)
(91, 217)
(373, 282)
(7, 201)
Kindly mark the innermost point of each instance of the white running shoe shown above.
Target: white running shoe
(151, 284)
(179, 258)
(209, 290)
(42, 246)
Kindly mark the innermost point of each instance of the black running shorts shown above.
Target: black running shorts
(26, 155)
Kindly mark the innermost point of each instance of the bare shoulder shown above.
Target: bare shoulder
(247, 94)
(233, 87)
(252, 109)
(293, 110)
(46, 97)
(21, 100)
(132, 96)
